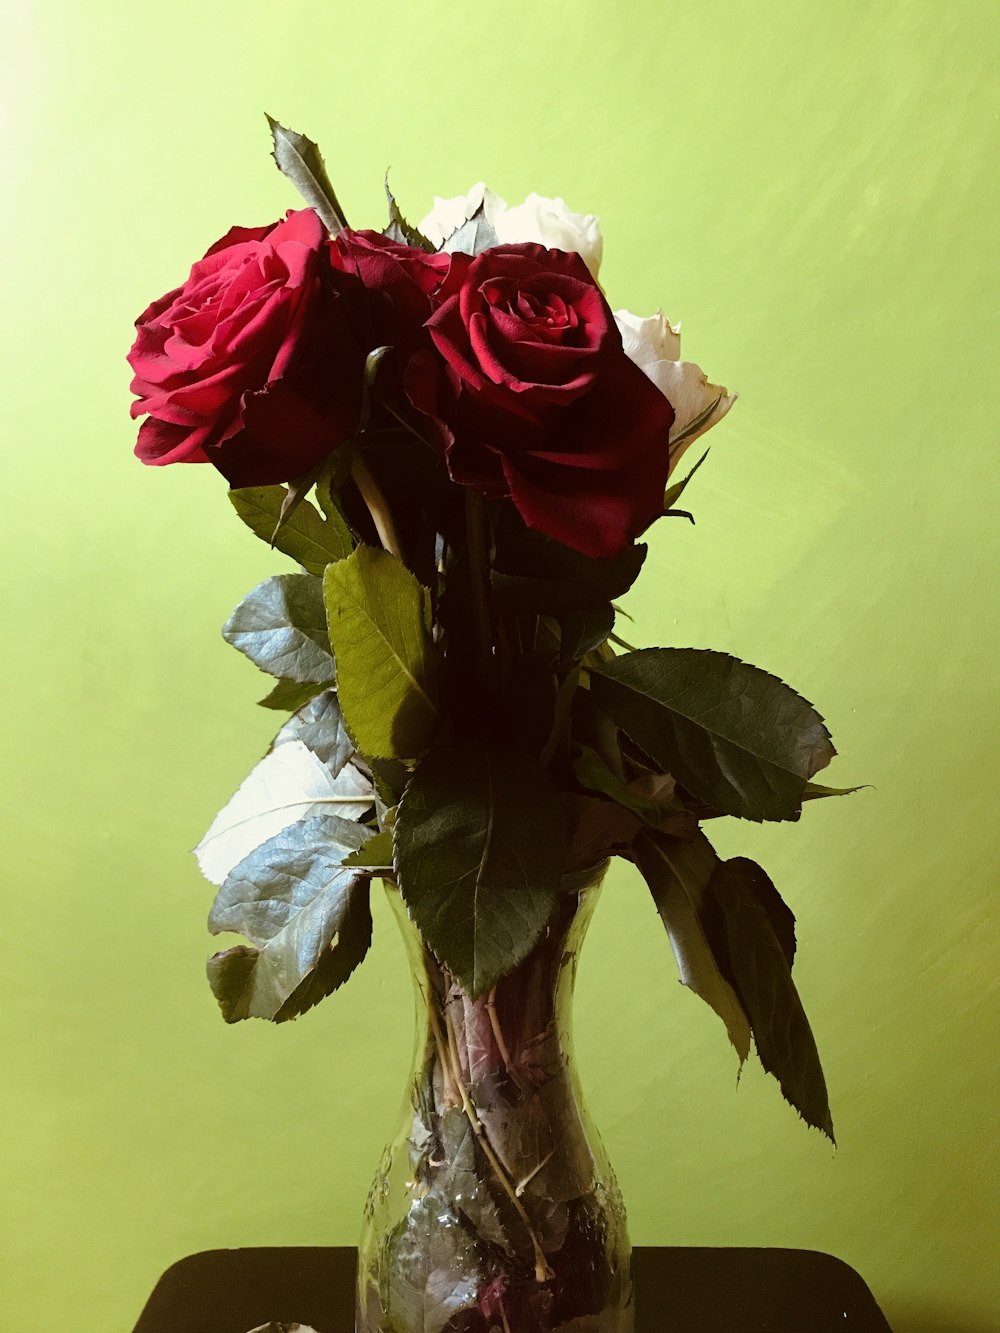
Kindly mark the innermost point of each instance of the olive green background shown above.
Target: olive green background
(812, 189)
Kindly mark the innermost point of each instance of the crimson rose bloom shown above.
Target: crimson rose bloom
(533, 397)
(400, 280)
(255, 364)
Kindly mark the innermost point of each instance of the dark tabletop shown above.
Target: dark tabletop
(677, 1291)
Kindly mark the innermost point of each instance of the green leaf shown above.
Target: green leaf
(761, 967)
(480, 842)
(461, 1179)
(320, 727)
(536, 574)
(678, 873)
(584, 630)
(599, 828)
(673, 493)
(400, 230)
(434, 1271)
(736, 737)
(377, 852)
(473, 237)
(592, 772)
(815, 791)
(338, 961)
(304, 535)
(291, 898)
(300, 160)
(281, 627)
(290, 695)
(379, 617)
(334, 474)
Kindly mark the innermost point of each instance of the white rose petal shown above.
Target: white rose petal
(447, 215)
(540, 220)
(551, 223)
(654, 344)
(649, 340)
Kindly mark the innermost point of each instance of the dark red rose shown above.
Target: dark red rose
(406, 275)
(256, 363)
(531, 396)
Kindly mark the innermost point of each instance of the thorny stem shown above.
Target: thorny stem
(378, 507)
(498, 1037)
(543, 1273)
(451, 1091)
(522, 1185)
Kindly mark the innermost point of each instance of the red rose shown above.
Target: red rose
(256, 363)
(533, 397)
(399, 282)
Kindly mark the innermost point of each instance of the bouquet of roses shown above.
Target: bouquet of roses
(459, 443)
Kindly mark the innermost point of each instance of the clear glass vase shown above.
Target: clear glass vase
(495, 1209)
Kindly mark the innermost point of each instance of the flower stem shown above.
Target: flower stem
(498, 1037)
(542, 1270)
(378, 507)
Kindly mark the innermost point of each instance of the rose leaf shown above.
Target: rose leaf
(736, 737)
(290, 695)
(433, 1271)
(320, 726)
(592, 773)
(281, 627)
(676, 490)
(304, 535)
(288, 785)
(306, 914)
(379, 618)
(402, 231)
(584, 630)
(473, 237)
(760, 940)
(376, 854)
(815, 791)
(678, 872)
(300, 160)
(480, 842)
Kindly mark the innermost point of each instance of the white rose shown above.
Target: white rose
(654, 344)
(544, 221)
(447, 215)
(550, 223)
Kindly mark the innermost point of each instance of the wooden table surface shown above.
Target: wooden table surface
(677, 1291)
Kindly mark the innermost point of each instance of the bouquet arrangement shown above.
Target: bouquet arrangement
(460, 445)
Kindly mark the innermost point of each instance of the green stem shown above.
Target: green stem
(378, 506)
(543, 1273)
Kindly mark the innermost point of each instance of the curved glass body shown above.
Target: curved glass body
(495, 1209)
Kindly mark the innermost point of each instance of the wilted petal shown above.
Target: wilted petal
(654, 344)
(698, 405)
(648, 339)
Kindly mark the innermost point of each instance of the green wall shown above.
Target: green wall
(812, 188)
